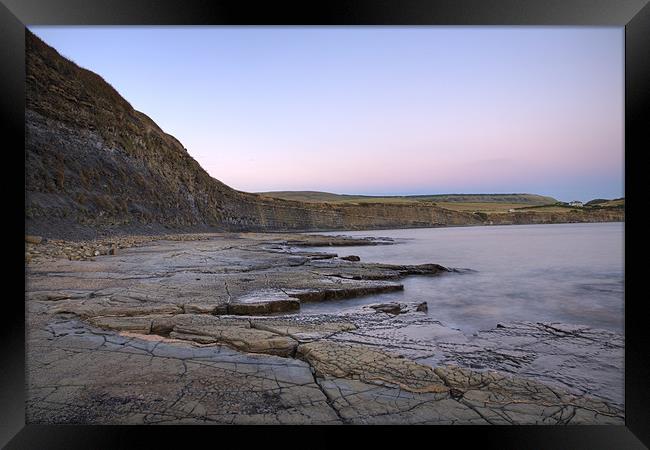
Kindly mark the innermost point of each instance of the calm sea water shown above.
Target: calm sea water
(571, 273)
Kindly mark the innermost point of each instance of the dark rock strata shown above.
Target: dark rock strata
(94, 164)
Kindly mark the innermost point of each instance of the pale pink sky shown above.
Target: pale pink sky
(377, 110)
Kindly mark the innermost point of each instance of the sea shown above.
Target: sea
(568, 273)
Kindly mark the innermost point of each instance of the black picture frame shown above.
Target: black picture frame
(634, 15)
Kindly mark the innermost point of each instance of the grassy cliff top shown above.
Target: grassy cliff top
(314, 196)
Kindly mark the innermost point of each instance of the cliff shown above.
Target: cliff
(94, 165)
(571, 216)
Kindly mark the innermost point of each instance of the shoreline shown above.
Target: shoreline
(104, 244)
(176, 312)
(453, 226)
(171, 232)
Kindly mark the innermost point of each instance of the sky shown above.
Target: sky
(377, 110)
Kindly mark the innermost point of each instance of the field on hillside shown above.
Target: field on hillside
(480, 206)
(456, 202)
(594, 205)
(551, 209)
(616, 203)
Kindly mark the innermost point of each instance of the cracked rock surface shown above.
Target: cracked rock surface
(208, 331)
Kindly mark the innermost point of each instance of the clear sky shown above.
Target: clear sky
(377, 110)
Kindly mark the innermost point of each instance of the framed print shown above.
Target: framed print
(367, 214)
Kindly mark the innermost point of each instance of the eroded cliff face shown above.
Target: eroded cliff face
(570, 216)
(94, 164)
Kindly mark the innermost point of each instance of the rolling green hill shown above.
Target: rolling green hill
(509, 200)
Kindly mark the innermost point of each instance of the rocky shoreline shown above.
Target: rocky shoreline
(206, 328)
(38, 247)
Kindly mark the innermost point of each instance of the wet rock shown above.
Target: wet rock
(163, 314)
(353, 290)
(393, 308)
(419, 269)
(210, 329)
(221, 309)
(359, 362)
(263, 302)
(114, 379)
(261, 308)
(462, 270)
(133, 324)
(33, 239)
(351, 258)
(365, 404)
(339, 241)
(503, 399)
(576, 358)
(422, 307)
(315, 255)
(363, 383)
(456, 393)
(162, 325)
(199, 308)
(303, 331)
(297, 260)
(95, 310)
(389, 308)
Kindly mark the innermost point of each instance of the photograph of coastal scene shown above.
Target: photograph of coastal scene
(324, 225)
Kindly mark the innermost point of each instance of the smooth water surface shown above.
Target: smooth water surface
(571, 273)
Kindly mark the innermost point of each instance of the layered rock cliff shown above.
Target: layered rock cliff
(570, 216)
(94, 164)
